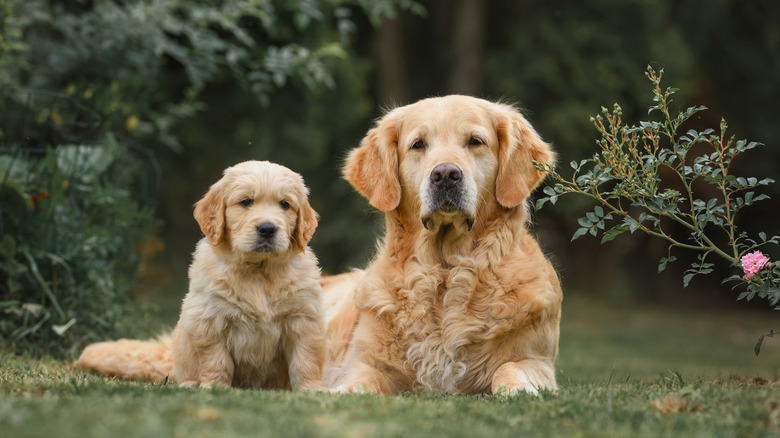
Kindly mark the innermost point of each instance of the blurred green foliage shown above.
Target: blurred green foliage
(207, 84)
(68, 249)
(83, 84)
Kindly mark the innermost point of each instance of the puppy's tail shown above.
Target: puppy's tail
(130, 359)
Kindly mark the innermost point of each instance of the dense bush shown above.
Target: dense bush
(68, 251)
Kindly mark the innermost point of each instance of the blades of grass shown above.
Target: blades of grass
(21, 332)
(45, 287)
(611, 374)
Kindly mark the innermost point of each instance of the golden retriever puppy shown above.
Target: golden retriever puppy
(459, 297)
(253, 315)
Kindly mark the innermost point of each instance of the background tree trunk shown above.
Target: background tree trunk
(467, 38)
(391, 68)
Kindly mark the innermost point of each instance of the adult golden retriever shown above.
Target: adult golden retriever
(253, 315)
(459, 297)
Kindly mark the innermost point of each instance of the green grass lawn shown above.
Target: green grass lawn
(623, 371)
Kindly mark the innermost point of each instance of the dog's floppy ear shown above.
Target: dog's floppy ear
(372, 168)
(210, 214)
(305, 225)
(518, 146)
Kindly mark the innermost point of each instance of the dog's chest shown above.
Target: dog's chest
(442, 330)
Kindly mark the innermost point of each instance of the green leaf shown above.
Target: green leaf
(611, 234)
(687, 279)
(664, 261)
(579, 233)
(757, 348)
(632, 224)
(8, 247)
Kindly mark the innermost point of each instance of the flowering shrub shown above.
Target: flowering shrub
(625, 180)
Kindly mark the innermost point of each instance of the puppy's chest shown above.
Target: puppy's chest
(253, 341)
(255, 328)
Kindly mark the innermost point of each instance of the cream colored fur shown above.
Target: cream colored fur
(253, 315)
(454, 301)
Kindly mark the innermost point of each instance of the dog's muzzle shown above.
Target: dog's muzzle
(446, 193)
(265, 237)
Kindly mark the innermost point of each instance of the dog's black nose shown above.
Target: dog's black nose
(266, 230)
(446, 175)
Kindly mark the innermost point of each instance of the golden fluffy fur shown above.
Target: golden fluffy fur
(253, 315)
(459, 298)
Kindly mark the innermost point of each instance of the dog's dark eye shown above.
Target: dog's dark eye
(247, 202)
(475, 141)
(285, 205)
(418, 145)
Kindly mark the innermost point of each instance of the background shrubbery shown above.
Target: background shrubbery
(74, 218)
(195, 86)
(88, 89)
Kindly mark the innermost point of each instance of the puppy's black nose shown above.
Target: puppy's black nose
(266, 230)
(446, 175)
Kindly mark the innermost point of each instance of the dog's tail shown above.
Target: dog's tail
(130, 359)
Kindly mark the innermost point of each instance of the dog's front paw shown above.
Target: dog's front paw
(504, 392)
(352, 388)
(529, 375)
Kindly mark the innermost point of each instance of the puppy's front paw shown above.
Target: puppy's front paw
(213, 384)
(312, 387)
(189, 384)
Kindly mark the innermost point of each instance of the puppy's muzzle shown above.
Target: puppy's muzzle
(265, 236)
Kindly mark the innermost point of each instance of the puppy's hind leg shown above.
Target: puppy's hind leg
(185, 360)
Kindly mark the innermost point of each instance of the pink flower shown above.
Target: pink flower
(752, 263)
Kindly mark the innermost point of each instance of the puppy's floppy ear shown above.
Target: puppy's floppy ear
(305, 225)
(210, 213)
(518, 146)
(372, 168)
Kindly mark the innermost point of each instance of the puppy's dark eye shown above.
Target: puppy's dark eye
(475, 141)
(418, 145)
(247, 202)
(285, 205)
